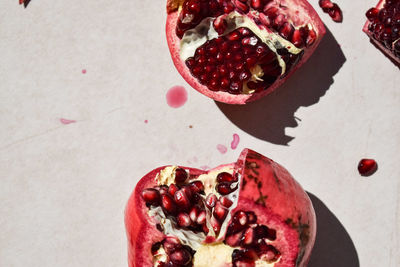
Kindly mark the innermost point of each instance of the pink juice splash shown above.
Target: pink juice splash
(235, 141)
(222, 149)
(176, 97)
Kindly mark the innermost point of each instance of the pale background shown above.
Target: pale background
(64, 187)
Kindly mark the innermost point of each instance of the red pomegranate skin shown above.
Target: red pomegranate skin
(378, 44)
(225, 97)
(266, 188)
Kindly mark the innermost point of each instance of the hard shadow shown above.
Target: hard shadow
(333, 245)
(267, 118)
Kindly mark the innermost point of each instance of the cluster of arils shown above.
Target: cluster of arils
(332, 9)
(384, 25)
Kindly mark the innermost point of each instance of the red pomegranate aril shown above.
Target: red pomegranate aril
(201, 219)
(228, 8)
(183, 219)
(197, 186)
(264, 19)
(251, 216)
(271, 12)
(256, 4)
(168, 203)
(211, 200)
(220, 25)
(172, 189)
(367, 166)
(312, 35)
(220, 211)
(182, 199)
(226, 177)
(215, 224)
(194, 212)
(226, 202)
(181, 257)
(286, 31)
(234, 239)
(325, 4)
(279, 21)
(241, 6)
(248, 237)
(336, 13)
(241, 217)
(224, 83)
(262, 231)
(234, 36)
(297, 38)
(151, 196)
(171, 243)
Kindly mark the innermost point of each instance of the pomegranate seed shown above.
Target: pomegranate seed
(181, 257)
(279, 21)
(312, 36)
(168, 203)
(367, 167)
(197, 186)
(264, 19)
(325, 4)
(226, 202)
(252, 218)
(194, 7)
(182, 200)
(256, 4)
(220, 211)
(163, 189)
(251, 61)
(336, 13)
(183, 220)
(201, 219)
(286, 31)
(271, 12)
(171, 243)
(241, 6)
(234, 36)
(228, 8)
(225, 188)
(220, 25)
(151, 196)
(250, 41)
(297, 39)
(262, 231)
(244, 31)
(234, 240)
(172, 189)
(180, 175)
(248, 237)
(194, 212)
(241, 217)
(224, 83)
(211, 200)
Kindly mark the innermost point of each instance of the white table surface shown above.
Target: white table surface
(63, 187)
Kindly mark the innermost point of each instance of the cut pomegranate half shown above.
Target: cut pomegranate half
(236, 51)
(383, 28)
(248, 213)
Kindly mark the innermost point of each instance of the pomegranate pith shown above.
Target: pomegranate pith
(236, 51)
(383, 27)
(267, 217)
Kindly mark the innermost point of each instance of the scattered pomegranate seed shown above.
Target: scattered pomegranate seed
(332, 9)
(367, 167)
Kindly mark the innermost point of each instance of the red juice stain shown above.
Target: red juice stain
(235, 141)
(66, 121)
(222, 148)
(176, 96)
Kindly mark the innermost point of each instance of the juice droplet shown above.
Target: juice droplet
(176, 96)
(222, 148)
(84, 71)
(66, 121)
(235, 141)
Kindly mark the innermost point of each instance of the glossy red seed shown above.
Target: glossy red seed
(297, 39)
(286, 31)
(220, 211)
(168, 203)
(197, 186)
(271, 12)
(241, 6)
(325, 4)
(183, 219)
(248, 237)
(171, 243)
(312, 36)
(226, 202)
(201, 219)
(234, 239)
(367, 166)
(372, 14)
(151, 196)
(172, 189)
(182, 200)
(336, 13)
(181, 257)
(215, 224)
(211, 200)
(220, 25)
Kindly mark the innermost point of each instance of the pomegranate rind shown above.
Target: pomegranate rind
(280, 203)
(378, 44)
(225, 97)
(277, 199)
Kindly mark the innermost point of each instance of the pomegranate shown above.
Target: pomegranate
(236, 51)
(367, 167)
(383, 27)
(248, 213)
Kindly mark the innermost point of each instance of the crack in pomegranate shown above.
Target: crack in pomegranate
(187, 206)
(383, 26)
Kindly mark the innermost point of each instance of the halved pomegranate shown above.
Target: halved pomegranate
(383, 27)
(248, 213)
(236, 51)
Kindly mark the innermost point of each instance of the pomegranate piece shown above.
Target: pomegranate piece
(367, 167)
(266, 218)
(332, 9)
(229, 49)
(383, 28)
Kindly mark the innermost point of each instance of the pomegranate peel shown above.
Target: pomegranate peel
(383, 28)
(287, 33)
(254, 228)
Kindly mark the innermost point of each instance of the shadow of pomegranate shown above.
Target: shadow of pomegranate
(267, 118)
(333, 246)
